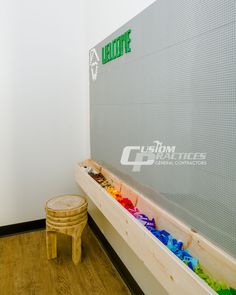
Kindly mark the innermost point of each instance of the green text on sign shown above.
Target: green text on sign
(117, 47)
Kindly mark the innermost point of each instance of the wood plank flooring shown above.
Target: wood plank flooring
(25, 270)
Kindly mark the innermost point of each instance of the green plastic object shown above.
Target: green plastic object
(217, 286)
(227, 292)
(224, 292)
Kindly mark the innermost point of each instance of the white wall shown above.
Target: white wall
(44, 114)
(103, 18)
(43, 103)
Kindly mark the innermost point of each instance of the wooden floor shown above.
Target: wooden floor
(24, 269)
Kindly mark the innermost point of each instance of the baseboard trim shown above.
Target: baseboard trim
(17, 228)
(115, 259)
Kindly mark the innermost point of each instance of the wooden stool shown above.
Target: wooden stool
(65, 214)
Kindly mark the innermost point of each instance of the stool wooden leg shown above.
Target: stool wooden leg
(76, 248)
(51, 242)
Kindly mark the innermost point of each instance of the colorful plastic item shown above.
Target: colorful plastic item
(166, 238)
(227, 292)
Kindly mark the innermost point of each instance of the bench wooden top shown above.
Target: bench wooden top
(65, 202)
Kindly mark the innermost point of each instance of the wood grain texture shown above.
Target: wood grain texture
(66, 206)
(73, 218)
(170, 271)
(25, 270)
(51, 243)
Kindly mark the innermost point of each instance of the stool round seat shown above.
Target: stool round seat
(65, 214)
(66, 205)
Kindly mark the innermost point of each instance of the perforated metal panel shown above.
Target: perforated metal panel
(178, 86)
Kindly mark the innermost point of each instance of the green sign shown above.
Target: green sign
(117, 47)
